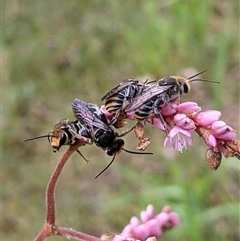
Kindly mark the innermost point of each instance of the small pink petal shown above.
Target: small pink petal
(207, 117)
(178, 138)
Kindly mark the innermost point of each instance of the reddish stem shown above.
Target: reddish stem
(70, 233)
(49, 226)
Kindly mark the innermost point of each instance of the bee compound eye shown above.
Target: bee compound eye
(186, 88)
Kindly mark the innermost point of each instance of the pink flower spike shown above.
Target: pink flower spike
(174, 219)
(211, 141)
(188, 107)
(184, 122)
(178, 139)
(207, 117)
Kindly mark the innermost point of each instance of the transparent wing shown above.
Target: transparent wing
(86, 117)
(151, 92)
(121, 86)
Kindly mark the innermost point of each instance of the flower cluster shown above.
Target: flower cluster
(151, 224)
(179, 120)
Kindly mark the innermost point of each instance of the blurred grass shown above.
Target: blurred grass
(54, 51)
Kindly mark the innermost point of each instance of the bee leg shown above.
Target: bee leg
(82, 156)
(126, 132)
(157, 111)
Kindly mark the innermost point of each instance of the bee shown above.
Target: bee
(65, 132)
(125, 91)
(101, 132)
(163, 91)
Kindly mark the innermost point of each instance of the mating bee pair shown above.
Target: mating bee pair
(144, 100)
(130, 96)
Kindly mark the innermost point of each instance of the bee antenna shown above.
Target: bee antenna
(37, 137)
(139, 153)
(205, 80)
(106, 167)
(197, 74)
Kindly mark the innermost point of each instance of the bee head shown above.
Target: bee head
(57, 138)
(116, 147)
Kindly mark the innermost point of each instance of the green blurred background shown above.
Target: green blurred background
(55, 51)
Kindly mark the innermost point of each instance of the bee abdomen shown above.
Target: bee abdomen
(114, 103)
(143, 112)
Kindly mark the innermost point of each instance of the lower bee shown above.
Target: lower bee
(65, 133)
(125, 91)
(163, 91)
(100, 131)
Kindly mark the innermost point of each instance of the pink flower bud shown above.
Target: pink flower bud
(211, 141)
(140, 232)
(127, 231)
(207, 117)
(134, 222)
(166, 209)
(144, 216)
(169, 108)
(184, 122)
(150, 211)
(162, 218)
(157, 123)
(222, 131)
(154, 228)
(188, 107)
(174, 219)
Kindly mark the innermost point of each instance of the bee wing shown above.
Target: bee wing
(121, 86)
(86, 117)
(149, 93)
